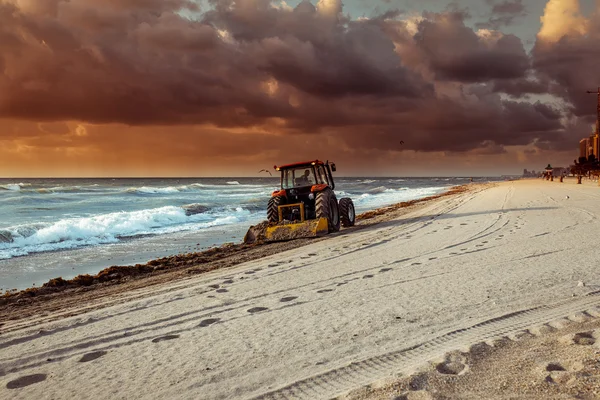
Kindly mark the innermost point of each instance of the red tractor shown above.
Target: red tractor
(306, 196)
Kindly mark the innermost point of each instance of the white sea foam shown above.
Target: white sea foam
(156, 190)
(367, 201)
(71, 233)
(11, 186)
(233, 183)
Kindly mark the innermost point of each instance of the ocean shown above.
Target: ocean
(66, 227)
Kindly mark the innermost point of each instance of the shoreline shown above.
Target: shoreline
(488, 294)
(14, 304)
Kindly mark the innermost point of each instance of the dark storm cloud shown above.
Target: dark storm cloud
(245, 64)
(509, 7)
(521, 86)
(455, 52)
(503, 14)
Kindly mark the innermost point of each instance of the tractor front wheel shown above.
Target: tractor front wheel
(327, 207)
(347, 212)
(273, 209)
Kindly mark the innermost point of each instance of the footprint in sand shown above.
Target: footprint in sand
(228, 281)
(249, 272)
(367, 276)
(382, 270)
(450, 368)
(256, 309)
(208, 322)
(289, 298)
(463, 224)
(163, 338)
(92, 356)
(221, 290)
(416, 263)
(557, 374)
(432, 258)
(453, 365)
(26, 381)
(554, 367)
(312, 254)
(584, 339)
(324, 290)
(272, 265)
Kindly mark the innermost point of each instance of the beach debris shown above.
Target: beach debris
(256, 233)
(580, 284)
(567, 197)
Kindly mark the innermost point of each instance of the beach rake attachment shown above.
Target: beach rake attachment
(286, 230)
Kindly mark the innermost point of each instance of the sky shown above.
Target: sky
(127, 88)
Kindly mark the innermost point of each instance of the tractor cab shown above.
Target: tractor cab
(300, 185)
(307, 174)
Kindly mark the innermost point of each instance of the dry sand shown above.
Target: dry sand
(374, 305)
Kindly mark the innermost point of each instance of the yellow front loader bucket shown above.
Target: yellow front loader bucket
(287, 230)
(305, 229)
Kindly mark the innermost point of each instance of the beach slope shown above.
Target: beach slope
(327, 318)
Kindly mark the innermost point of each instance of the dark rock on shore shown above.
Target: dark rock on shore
(192, 209)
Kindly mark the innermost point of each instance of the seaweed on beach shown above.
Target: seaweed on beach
(226, 255)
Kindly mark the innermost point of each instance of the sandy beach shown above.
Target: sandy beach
(412, 304)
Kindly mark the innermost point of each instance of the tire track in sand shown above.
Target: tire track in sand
(344, 379)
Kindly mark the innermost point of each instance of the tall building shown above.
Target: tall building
(583, 148)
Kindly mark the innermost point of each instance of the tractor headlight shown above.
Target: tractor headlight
(311, 196)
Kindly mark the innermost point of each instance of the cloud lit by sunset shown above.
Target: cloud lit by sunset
(224, 87)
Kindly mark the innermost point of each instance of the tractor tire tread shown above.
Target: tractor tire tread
(273, 209)
(345, 205)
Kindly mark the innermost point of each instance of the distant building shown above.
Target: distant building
(590, 146)
(530, 174)
(583, 148)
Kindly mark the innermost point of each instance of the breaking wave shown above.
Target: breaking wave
(72, 233)
(15, 187)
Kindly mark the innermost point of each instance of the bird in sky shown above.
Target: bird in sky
(265, 170)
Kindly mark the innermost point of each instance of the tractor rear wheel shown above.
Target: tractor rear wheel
(347, 212)
(327, 207)
(273, 208)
